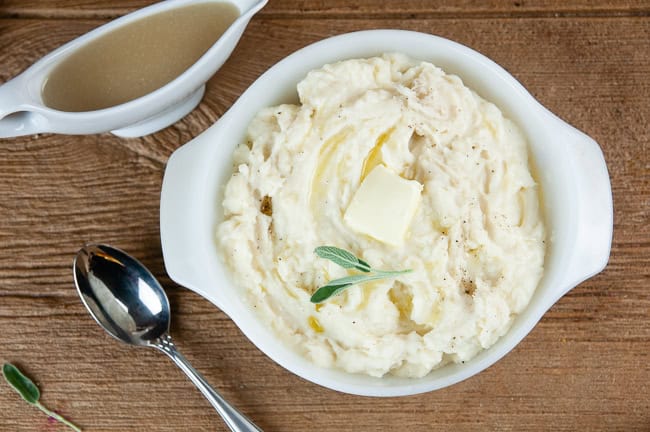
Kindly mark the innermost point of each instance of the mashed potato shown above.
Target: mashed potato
(475, 242)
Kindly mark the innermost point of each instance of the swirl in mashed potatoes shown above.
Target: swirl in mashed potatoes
(475, 241)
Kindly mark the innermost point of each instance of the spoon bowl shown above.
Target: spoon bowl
(137, 316)
(129, 303)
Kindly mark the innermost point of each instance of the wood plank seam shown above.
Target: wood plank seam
(107, 14)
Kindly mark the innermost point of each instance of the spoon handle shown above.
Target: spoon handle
(236, 421)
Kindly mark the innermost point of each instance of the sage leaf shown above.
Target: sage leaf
(342, 257)
(364, 264)
(347, 260)
(19, 382)
(30, 392)
(327, 291)
(356, 279)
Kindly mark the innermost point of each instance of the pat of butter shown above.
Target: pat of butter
(383, 206)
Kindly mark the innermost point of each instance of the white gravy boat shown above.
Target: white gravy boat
(571, 170)
(22, 111)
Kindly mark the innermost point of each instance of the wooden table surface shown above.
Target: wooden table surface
(586, 366)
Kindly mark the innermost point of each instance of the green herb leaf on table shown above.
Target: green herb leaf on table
(23, 385)
(347, 260)
(30, 392)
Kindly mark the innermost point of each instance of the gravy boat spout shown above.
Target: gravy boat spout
(23, 109)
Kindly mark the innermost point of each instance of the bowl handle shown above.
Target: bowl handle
(185, 229)
(593, 205)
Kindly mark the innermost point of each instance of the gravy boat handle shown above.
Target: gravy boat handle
(593, 208)
(16, 118)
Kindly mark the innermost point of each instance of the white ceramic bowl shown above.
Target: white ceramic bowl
(571, 170)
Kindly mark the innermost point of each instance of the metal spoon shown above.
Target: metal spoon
(129, 303)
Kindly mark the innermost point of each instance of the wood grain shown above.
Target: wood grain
(361, 9)
(586, 365)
